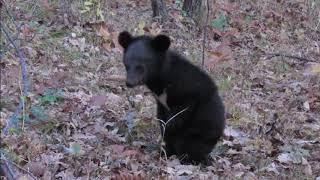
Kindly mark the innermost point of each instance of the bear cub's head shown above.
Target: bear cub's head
(143, 56)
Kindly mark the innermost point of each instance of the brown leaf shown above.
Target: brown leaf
(229, 7)
(107, 47)
(129, 153)
(46, 5)
(155, 28)
(307, 169)
(98, 100)
(110, 39)
(24, 177)
(221, 53)
(113, 101)
(114, 36)
(117, 148)
(47, 175)
(217, 31)
(103, 31)
(67, 108)
(26, 30)
(230, 32)
(127, 176)
(36, 168)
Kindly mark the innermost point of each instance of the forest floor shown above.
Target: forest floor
(79, 120)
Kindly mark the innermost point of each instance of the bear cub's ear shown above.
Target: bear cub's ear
(161, 42)
(124, 39)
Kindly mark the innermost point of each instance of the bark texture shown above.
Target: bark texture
(159, 8)
(196, 9)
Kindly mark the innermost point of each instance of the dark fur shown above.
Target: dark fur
(195, 131)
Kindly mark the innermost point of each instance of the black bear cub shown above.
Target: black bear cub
(187, 99)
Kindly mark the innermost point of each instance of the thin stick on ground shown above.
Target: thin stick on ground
(205, 34)
(165, 154)
(23, 100)
(163, 126)
(271, 55)
(21, 168)
(116, 78)
(5, 168)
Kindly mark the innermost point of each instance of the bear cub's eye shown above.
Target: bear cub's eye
(140, 68)
(127, 67)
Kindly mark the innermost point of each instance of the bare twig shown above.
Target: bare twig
(21, 168)
(5, 168)
(205, 34)
(183, 157)
(6, 164)
(165, 154)
(116, 78)
(24, 79)
(23, 100)
(12, 18)
(164, 125)
(273, 124)
(176, 115)
(271, 55)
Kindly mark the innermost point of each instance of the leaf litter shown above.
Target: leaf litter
(96, 128)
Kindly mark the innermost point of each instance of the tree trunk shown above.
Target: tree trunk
(159, 8)
(196, 9)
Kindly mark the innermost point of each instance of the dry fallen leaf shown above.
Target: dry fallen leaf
(46, 5)
(307, 168)
(221, 53)
(155, 28)
(272, 168)
(26, 30)
(140, 28)
(103, 31)
(117, 148)
(24, 177)
(127, 176)
(315, 69)
(36, 168)
(129, 153)
(98, 100)
(79, 42)
(306, 106)
(229, 7)
(229, 131)
(110, 39)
